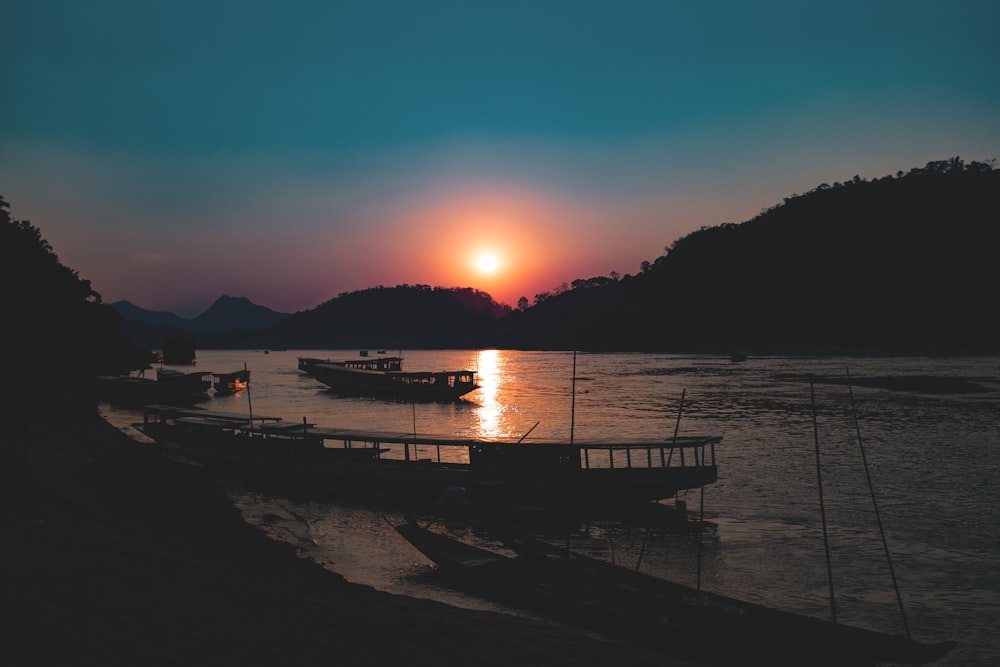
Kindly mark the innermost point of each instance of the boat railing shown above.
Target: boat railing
(691, 451)
(681, 452)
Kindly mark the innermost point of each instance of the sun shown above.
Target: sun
(487, 263)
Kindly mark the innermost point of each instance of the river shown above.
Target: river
(927, 427)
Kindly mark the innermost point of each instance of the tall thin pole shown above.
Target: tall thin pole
(519, 440)
(413, 408)
(878, 517)
(642, 549)
(249, 402)
(677, 426)
(680, 410)
(572, 408)
(822, 507)
(701, 529)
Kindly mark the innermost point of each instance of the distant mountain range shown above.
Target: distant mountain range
(900, 263)
(228, 313)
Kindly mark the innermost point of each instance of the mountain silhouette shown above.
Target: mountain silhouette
(401, 316)
(227, 313)
(902, 263)
(156, 318)
(230, 313)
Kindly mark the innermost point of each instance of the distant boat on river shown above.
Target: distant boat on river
(384, 376)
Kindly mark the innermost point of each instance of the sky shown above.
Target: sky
(287, 152)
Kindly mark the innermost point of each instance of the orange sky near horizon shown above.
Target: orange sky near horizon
(435, 236)
(449, 236)
(538, 240)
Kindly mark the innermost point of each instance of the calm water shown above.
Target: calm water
(933, 458)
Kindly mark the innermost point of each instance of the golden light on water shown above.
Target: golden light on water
(488, 395)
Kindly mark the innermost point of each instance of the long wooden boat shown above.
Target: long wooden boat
(169, 385)
(384, 376)
(679, 621)
(437, 472)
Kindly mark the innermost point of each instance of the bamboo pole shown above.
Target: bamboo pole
(572, 406)
(878, 517)
(822, 507)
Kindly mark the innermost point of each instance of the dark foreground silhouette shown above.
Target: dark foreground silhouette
(112, 555)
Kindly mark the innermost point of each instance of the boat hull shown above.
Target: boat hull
(679, 621)
(185, 388)
(356, 380)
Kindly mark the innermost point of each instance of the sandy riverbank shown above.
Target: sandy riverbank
(113, 555)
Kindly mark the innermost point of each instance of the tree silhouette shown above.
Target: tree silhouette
(53, 317)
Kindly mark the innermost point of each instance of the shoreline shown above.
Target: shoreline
(116, 555)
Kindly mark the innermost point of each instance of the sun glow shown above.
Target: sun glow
(508, 243)
(487, 263)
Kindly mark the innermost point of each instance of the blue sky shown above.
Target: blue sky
(289, 151)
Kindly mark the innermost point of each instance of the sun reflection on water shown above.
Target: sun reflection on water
(490, 409)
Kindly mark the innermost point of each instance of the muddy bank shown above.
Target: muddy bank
(114, 555)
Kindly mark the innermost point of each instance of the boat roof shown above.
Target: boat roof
(278, 426)
(339, 367)
(173, 371)
(208, 414)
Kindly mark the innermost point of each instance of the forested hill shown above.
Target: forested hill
(401, 316)
(903, 263)
(900, 263)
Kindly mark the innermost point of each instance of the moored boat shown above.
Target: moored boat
(680, 621)
(169, 385)
(437, 472)
(231, 383)
(384, 376)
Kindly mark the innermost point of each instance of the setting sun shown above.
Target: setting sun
(487, 263)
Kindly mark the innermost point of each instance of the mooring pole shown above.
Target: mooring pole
(822, 507)
(878, 517)
(572, 406)
(249, 402)
(519, 440)
(677, 426)
(413, 407)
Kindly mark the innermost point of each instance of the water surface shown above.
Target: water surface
(928, 426)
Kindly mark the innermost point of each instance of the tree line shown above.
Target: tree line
(899, 263)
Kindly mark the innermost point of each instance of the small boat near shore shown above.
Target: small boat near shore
(679, 621)
(231, 383)
(169, 385)
(436, 473)
(384, 376)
